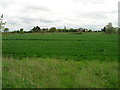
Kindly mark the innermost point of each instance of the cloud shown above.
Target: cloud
(30, 20)
(71, 13)
(37, 8)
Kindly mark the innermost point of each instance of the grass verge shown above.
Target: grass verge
(53, 73)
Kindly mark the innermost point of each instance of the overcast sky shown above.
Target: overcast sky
(91, 14)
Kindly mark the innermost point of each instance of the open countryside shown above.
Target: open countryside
(59, 44)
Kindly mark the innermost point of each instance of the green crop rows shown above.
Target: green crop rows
(86, 46)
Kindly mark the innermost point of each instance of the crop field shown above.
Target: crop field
(61, 60)
(87, 46)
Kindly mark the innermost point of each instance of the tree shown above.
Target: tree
(6, 29)
(84, 30)
(110, 29)
(103, 30)
(44, 29)
(71, 29)
(65, 29)
(59, 30)
(36, 29)
(80, 29)
(89, 30)
(53, 29)
(18, 31)
(109, 25)
(2, 23)
(21, 29)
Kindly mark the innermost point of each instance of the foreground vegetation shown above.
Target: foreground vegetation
(60, 60)
(54, 73)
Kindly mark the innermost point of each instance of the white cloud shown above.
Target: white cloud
(92, 14)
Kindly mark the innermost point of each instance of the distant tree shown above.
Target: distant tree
(110, 29)
(65, 29)
(59, 30)
(21, 29)
(30, 31)
(89, 30)
(103, 30)
(75, 30)
(109, 25)
(44, 29)
(80, 30)
(53, 29)
(18, 31)
(36, 29)
(6, 29)
(84, 30)
(71, 29)
(33, 30)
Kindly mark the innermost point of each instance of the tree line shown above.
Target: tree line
(107, 29)
(37, 29)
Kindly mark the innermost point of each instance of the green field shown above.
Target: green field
(86, 46)
(64, 60)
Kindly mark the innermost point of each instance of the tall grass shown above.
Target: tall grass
(54, 73)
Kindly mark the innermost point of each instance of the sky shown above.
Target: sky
(90, 14)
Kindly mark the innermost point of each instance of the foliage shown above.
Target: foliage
(2, 23)
(109, 29)
(6, 29)
(103, 30)
(53, 29)
(59, 73)
(21, 29)
(36, 29)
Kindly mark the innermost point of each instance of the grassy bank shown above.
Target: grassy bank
(54, 73)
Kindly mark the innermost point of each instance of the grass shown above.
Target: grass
(60, 60)
(53, 73)
(86, 46)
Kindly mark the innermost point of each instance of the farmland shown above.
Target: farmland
(60, 60)
(87, 46)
